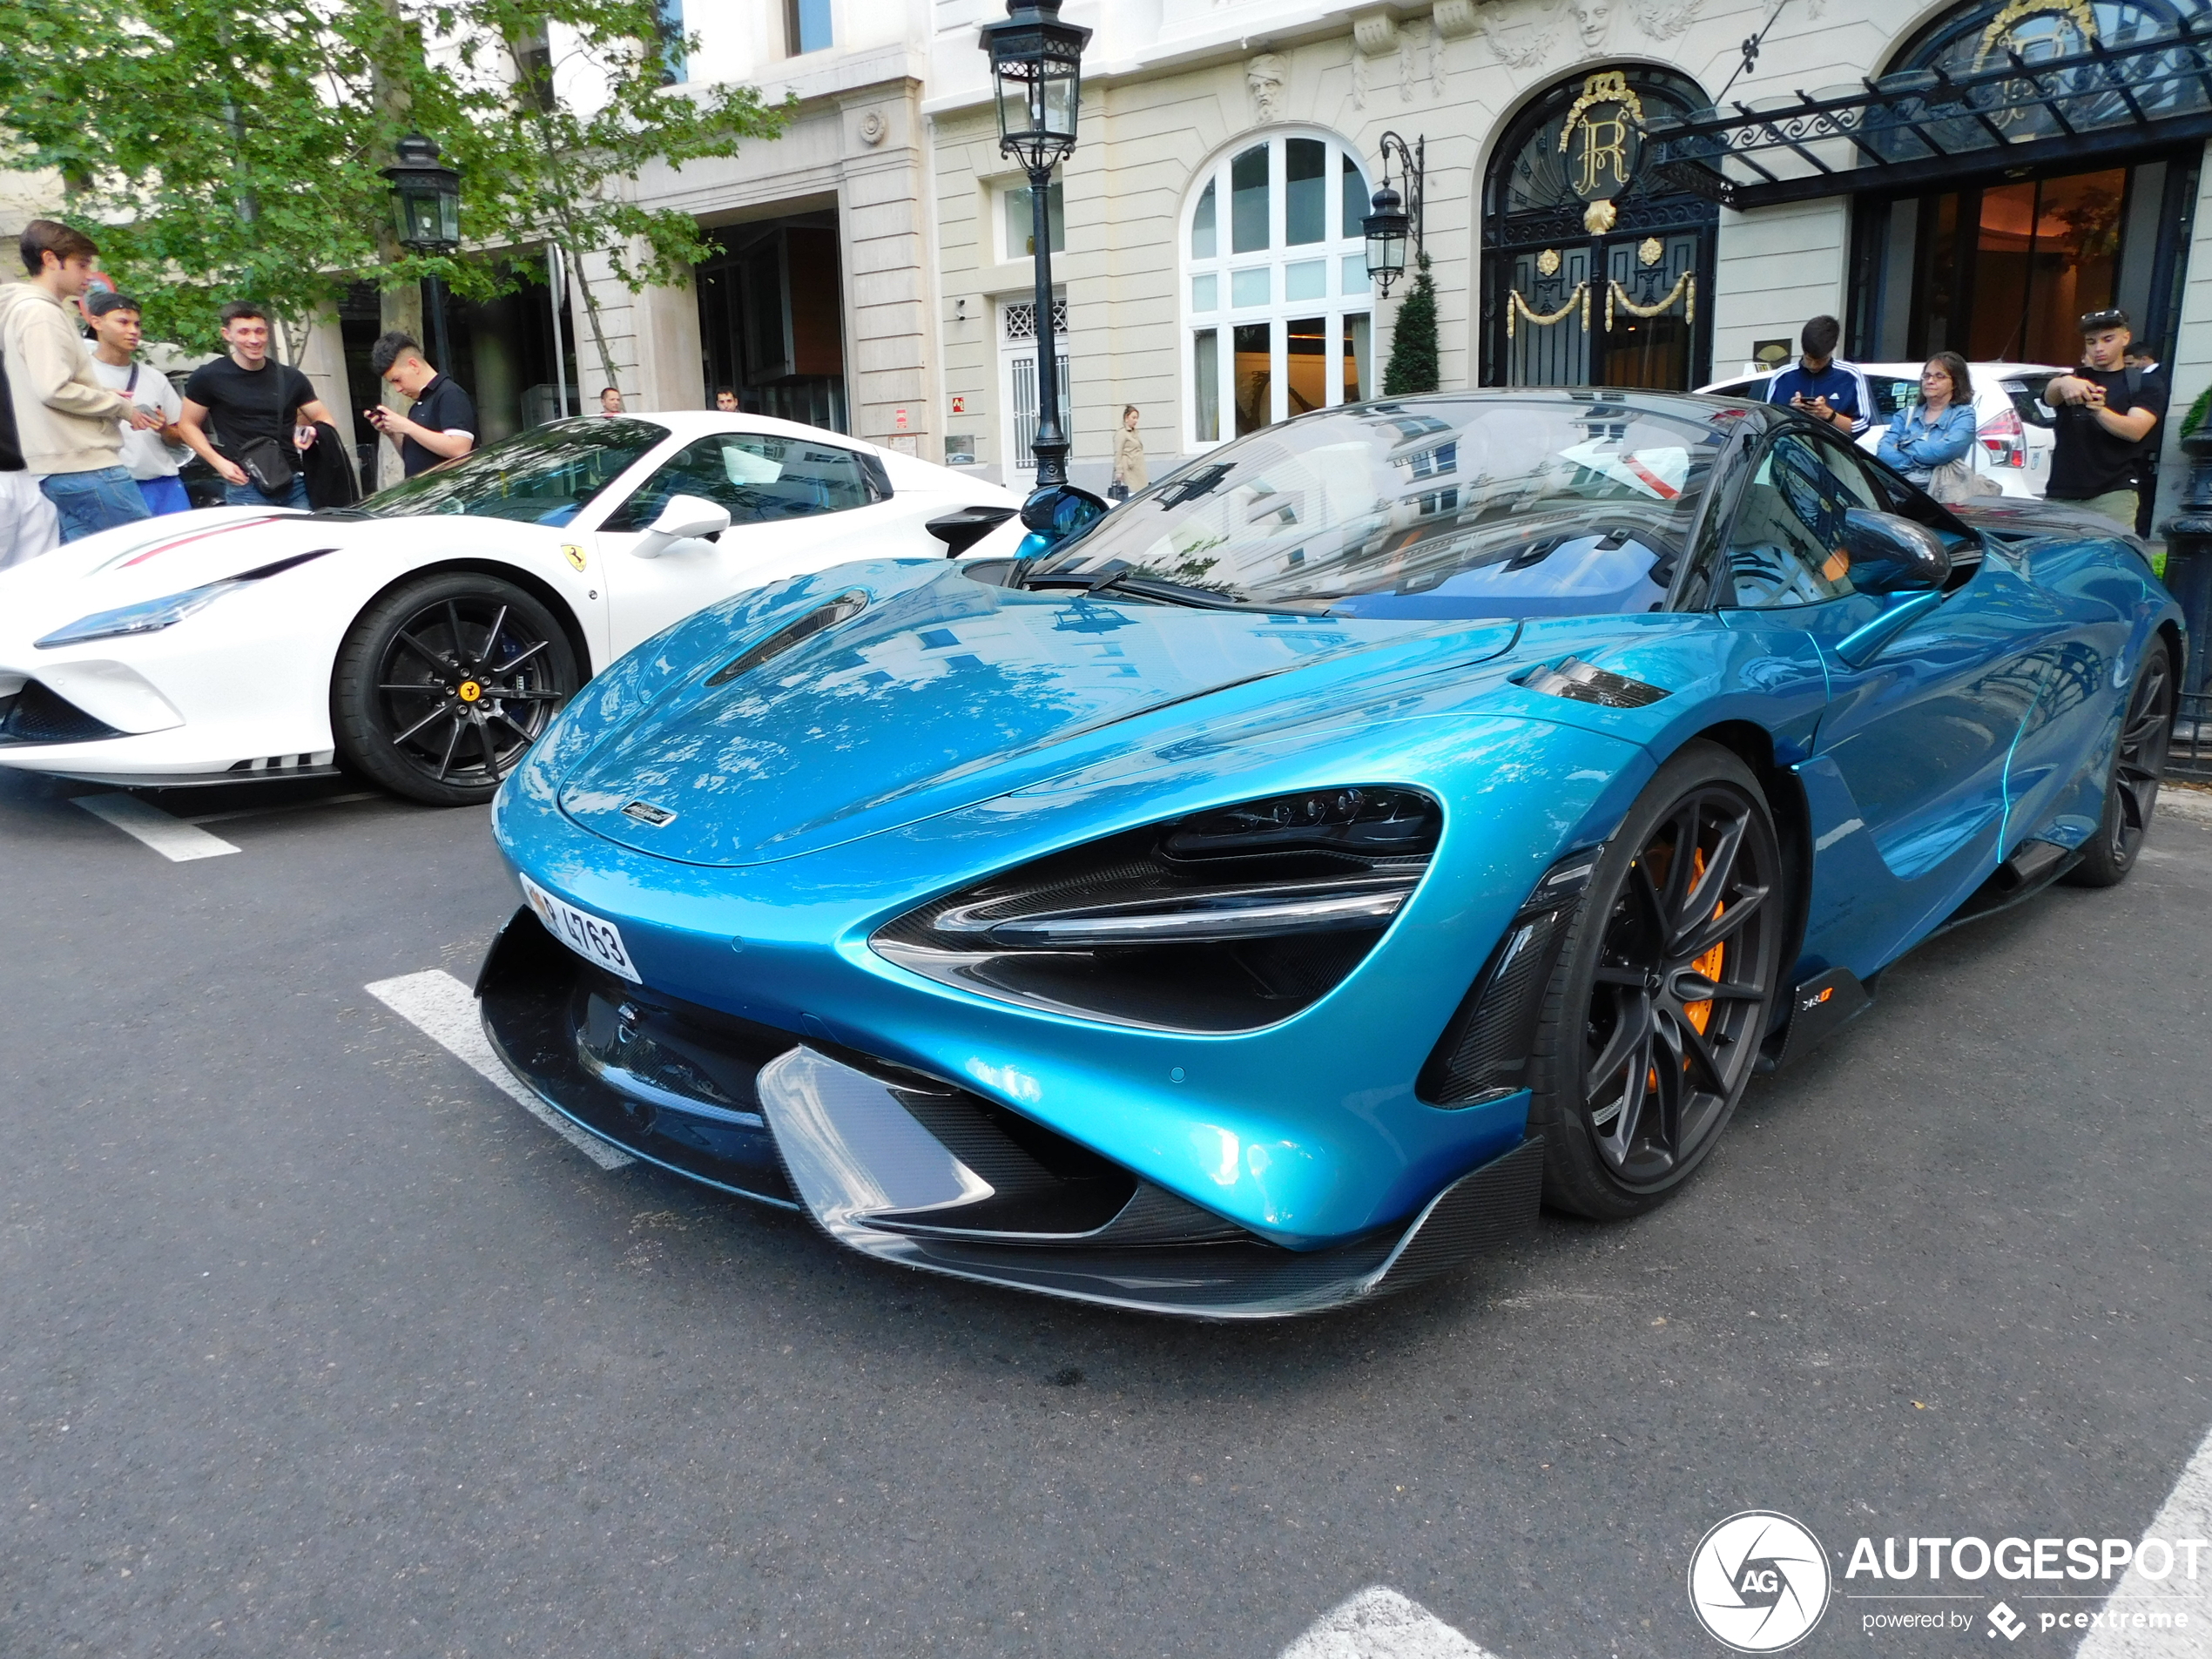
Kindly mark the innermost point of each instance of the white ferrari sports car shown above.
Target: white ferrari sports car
(425, 637)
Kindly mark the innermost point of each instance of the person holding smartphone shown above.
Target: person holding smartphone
(1832, 391)
(2106, 412)
(441, 421)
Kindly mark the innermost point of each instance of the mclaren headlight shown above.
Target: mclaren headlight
(1223, 921)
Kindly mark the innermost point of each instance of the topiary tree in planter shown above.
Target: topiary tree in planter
(1413, 365)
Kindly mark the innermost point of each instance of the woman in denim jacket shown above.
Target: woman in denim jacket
(1940, 428)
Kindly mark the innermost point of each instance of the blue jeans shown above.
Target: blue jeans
(88, 502)
(249, 495)
(164, 496)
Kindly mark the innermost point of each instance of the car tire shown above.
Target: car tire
(443, 683)
(2131, 781)
(1632, 1080)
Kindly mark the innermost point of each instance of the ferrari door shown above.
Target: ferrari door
(1927, 693)
(795, 504)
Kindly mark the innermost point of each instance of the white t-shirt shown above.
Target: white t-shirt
(144, 453)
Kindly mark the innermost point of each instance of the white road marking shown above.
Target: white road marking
(1379, 1623)
(172, 838)
(445, 1011)
(2175, 1597)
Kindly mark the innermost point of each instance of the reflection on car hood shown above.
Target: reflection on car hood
(947, 694)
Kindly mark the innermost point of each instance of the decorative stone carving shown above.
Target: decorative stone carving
(1665, 19)
(873, 128)
(1374, 34)
(1436, 56)
(1533, 50)
(1264, 76)
(1593, 21)
(1454, 19)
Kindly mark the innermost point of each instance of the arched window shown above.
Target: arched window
(1275, 292)
(1597, 267)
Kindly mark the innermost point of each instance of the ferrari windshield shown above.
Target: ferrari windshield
(541, 477)
(1481, 507)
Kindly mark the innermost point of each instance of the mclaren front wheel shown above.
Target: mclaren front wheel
(443, 683)
(1652, 1024)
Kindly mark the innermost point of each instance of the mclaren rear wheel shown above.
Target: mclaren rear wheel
(443, 683)
(1652, 1024)
(2131, 787)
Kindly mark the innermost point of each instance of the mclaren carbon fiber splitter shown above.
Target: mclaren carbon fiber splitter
(911, 1170)
(1266, 896)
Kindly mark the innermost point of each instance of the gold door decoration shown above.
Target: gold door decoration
(2079, 15)
(1685, 289)
(1609, 116)
(1516, 304)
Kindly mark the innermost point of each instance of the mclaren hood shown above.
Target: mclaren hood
(947, 693)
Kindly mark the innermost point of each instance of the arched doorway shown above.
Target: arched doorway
(1596, 270)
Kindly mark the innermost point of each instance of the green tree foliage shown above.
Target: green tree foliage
(1413, 365)
(220, 152)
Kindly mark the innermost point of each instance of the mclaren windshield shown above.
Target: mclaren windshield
(1490, 505)
(542, 476)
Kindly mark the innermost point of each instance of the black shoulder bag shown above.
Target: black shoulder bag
(268, 460)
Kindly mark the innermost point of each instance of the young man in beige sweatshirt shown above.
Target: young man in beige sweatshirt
(68, 425)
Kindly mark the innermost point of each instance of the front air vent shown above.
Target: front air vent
(1581, 682)
(36, 714)
(843, 608)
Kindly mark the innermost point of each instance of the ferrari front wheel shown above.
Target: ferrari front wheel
(2131, 785)
(443, 684)
(1652, 1024)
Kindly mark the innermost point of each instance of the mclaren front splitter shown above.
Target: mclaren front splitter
(914, 1170)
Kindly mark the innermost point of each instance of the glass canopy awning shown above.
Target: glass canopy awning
(1906, 130)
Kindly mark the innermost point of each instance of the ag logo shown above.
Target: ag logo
(1758, 1583)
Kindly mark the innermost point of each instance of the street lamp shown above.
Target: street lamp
(1036, 67)
(426, 203)
(1395, 216)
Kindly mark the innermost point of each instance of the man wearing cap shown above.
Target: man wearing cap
(116, 334)
(2106, 413)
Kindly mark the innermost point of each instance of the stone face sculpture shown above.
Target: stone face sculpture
(1264, 76)
(1592, 19)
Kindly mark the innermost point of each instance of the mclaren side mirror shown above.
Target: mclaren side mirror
(1055, 514)
(685, 518)
(1893, 555)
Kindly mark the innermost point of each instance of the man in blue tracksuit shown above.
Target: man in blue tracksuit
(1825, 389)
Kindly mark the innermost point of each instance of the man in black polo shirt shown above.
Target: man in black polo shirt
(441, 421)
(2106, 412)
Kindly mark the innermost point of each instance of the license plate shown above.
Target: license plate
(596, 941)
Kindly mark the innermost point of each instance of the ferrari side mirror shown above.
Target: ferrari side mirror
(683, 519)
(1893, 555)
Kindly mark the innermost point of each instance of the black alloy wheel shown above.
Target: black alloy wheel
(1652, 1025)
(2138, 764)
(443, 684)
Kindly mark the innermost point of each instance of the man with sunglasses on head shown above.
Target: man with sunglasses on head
(2106, 412)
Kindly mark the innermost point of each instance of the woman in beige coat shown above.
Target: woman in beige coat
(1129, 457)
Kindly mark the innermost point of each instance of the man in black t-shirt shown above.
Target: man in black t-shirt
(441, 421)
(2106, 412)
(264, 413)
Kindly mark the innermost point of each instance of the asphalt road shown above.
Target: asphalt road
(312, 1342)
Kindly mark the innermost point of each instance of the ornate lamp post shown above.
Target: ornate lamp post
(1395, 218)
(1036, 68)
(426, 203)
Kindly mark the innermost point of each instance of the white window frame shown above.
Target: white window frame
(1002, 243)
(1333, 307)
(1017, 462)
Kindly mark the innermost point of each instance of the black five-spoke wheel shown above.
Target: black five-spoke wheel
(1663, 991)
(444, 683)
(2138, 763)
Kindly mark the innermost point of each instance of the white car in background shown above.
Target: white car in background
(426, 637)
(2012, 424)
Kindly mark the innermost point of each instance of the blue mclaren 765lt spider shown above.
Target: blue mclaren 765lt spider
(1267, 893)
